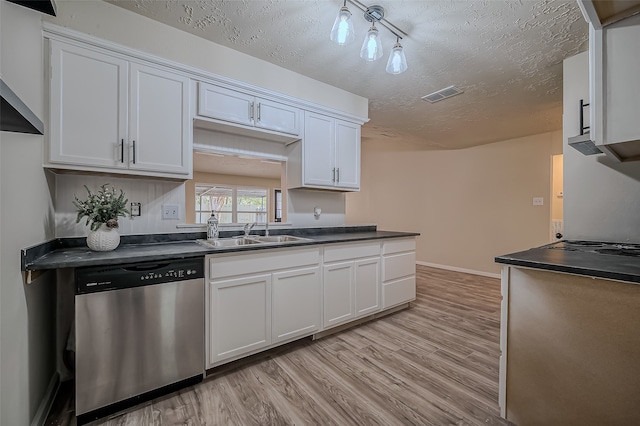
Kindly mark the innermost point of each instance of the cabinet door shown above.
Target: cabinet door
(224, 104)
(319, 150)
(240, 316)
(88, 107)
(367, 286)
(278, 117)
(347, 155)
(338, 286)
(159, 121)
(296, 301)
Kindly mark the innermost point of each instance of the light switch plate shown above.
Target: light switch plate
(171, 211)
(538, 201)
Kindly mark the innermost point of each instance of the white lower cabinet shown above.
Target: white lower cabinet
(367, 286)
(240, 319)
(258, 300)
(339, 292)
(351, 282)
(398, 272)
(295, 297)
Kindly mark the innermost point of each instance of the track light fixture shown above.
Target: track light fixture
(343, 33)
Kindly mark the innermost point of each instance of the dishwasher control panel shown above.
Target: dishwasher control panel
(102, 278)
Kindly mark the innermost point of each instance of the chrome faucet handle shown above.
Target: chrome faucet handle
(266, 228)
(248, 227)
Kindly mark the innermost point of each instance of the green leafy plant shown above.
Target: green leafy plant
(103, 207)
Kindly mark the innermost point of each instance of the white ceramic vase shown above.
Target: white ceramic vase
(103, 239)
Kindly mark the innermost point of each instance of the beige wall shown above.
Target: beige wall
(201, 177)
(469, 205)
(27, 311)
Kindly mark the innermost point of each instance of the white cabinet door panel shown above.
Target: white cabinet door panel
(88, 107)
(399, 265)
(339, 305)
(399, 291)
(347, 155)
(277, 117)
(240, 316)
(224, 104)
(319, 150)
(296, 303)
(367, 286)
(159, 130)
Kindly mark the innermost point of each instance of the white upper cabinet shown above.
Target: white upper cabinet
(88, 107)
(328, 157)
(239, 108)
(347, 158)
(110, 114)
(319, 150)
(159, 123)
(614, 79)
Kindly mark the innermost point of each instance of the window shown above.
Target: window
(278, 205)
(232, 204)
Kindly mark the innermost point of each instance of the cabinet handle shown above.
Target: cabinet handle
(258, 111)
(338, 173)
(251, 110)
(134, 152)
(334, 175)
(122, 150)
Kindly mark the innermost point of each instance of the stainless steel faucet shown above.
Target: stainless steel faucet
(248, 227)
(266, 228)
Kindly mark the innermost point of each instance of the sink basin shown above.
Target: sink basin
(227, 242)
(279, 239)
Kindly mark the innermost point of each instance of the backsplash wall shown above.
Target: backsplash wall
(152, 194)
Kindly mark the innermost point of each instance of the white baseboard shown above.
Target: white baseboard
(47, 401)
(456, 269)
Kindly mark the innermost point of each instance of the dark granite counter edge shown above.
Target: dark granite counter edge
(35, 258)
(597, 273)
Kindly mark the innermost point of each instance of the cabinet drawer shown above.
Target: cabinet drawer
(399, 291)
(269, 260)
(351, 251)
(398, 265)
(397, 246)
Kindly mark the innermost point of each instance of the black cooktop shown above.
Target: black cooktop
(617, 261)
(615, 249)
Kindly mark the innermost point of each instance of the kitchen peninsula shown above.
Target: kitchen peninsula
(569, 339)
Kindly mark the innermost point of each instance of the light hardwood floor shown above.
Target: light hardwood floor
(435, 363)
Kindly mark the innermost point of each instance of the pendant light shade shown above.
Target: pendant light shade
(342, 31)
(372, 46)
(397, 63)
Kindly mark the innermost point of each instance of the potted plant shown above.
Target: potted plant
(102, 210)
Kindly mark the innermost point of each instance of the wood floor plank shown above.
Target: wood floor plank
(435, 363)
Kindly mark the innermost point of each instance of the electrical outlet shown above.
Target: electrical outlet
(170, 211)
(135, 209)
(538, 201)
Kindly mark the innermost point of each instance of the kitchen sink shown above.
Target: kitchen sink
(278, 239)
(227, 242)
(251, 239)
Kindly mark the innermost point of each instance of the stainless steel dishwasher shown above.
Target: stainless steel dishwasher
(139, 333)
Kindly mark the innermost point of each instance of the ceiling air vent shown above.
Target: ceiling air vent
(441, 94)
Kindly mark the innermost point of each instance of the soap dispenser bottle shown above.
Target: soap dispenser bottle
(212, 227)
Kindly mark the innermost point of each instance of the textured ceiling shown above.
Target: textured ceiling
(505, 54)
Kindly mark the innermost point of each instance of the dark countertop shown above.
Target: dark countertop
(614, 267)
(73, 252)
